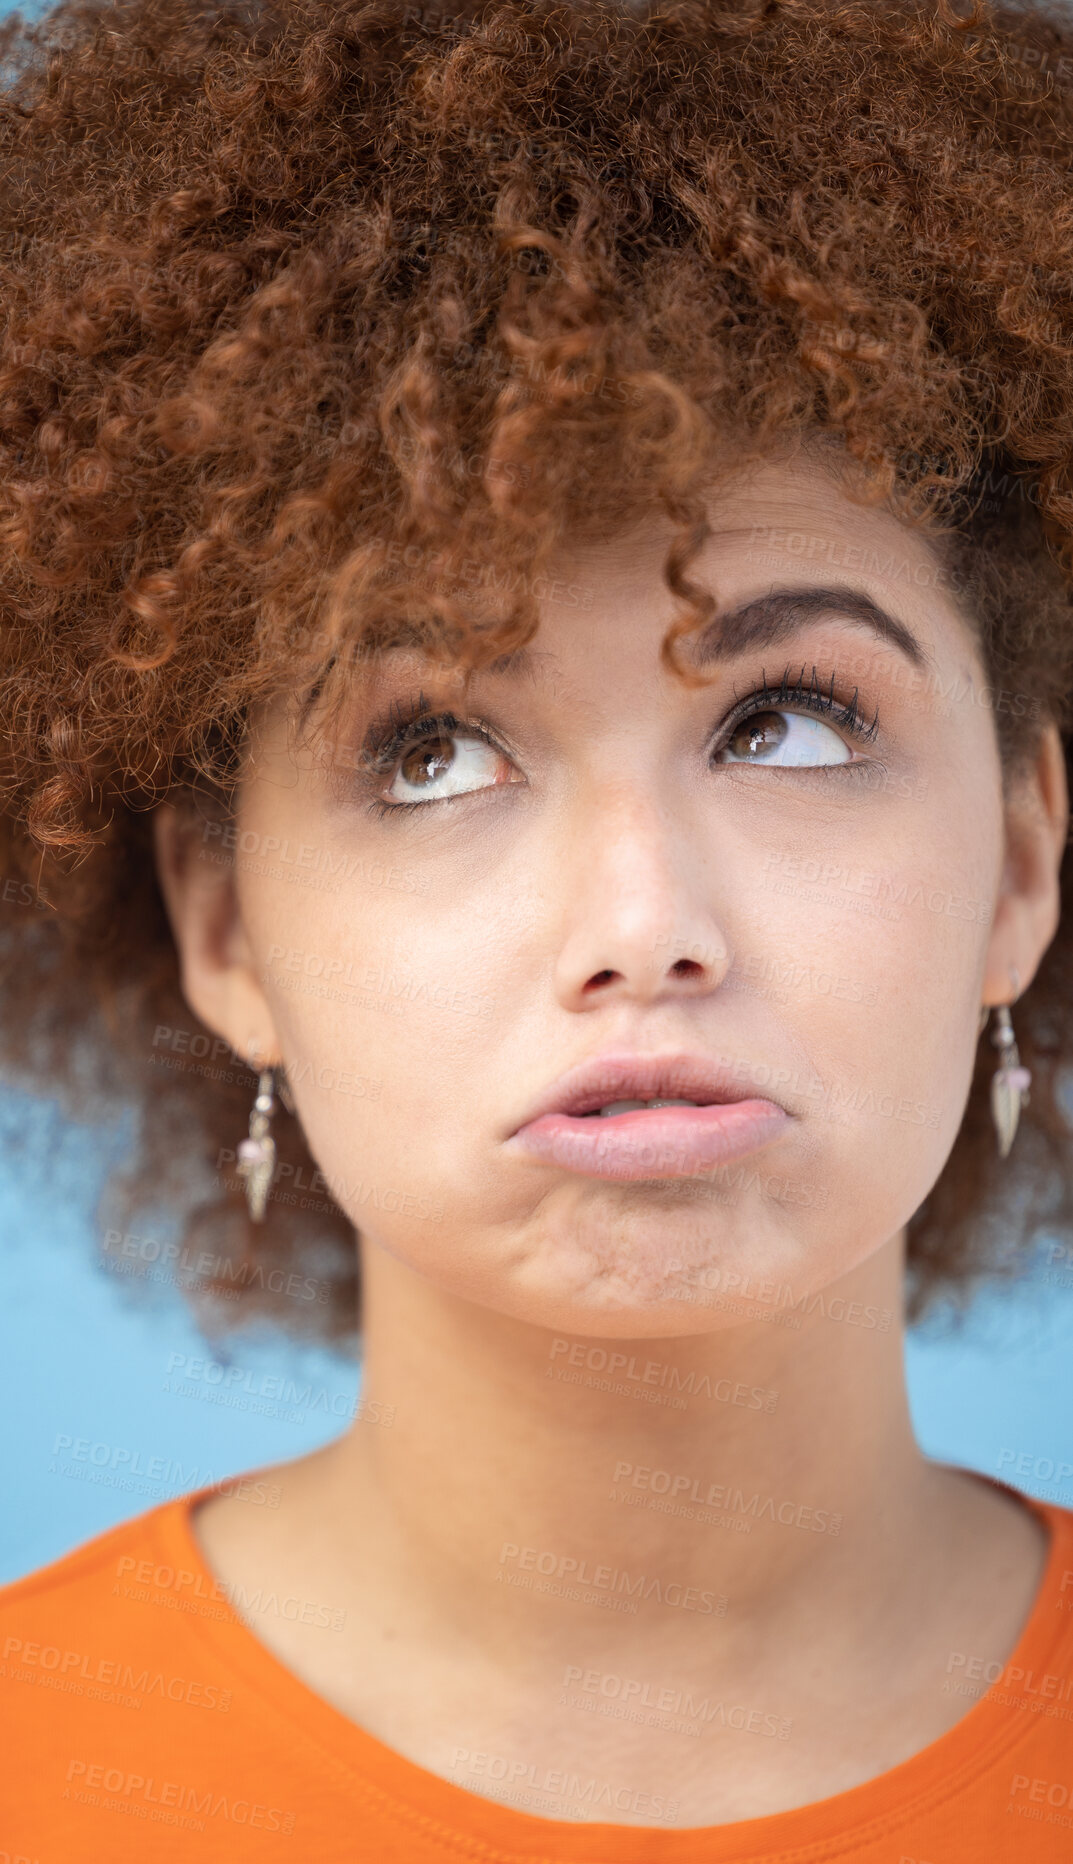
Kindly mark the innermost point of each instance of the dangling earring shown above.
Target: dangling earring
(257, 1154)
(1009, 1083)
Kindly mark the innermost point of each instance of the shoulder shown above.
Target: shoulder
(117, 1696)
(1047, 1529)
(1058, 1576)
(153, 1557)
(1037, 1676)
(96, 1569)
(89, 1627)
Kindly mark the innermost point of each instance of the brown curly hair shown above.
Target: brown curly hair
(323, 315)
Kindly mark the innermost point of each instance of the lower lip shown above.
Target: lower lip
(653, 1142)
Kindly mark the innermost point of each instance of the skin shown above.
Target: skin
(602, 851)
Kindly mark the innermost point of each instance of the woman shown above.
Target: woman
(538, 553)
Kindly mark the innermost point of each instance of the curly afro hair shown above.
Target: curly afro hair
(312, 306)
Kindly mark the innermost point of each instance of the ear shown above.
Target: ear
(219, 981)
(1029, 902)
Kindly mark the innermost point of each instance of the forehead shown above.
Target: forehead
(795, 505)
(788, 547)
(790, 553)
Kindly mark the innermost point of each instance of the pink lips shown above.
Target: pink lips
(653, 1142)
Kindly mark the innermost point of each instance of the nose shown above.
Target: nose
(639, 921)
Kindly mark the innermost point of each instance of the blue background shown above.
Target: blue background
(84, 1355)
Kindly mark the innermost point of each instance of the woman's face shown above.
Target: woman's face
(633, 865)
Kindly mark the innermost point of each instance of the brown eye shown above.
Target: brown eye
(425, 762)
(783, 739)
(443, 764)
(757, 734)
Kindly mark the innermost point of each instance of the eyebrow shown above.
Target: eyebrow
(766, 620)
(763, 621)
(769, 619)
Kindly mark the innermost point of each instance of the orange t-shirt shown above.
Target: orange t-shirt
(144, 1720)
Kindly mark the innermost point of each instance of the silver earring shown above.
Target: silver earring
(257, 1154)
(1009, 1083)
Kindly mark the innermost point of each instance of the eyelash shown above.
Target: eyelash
(409, 722)
(405, 724)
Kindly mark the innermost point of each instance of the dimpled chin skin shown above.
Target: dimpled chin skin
(541, 922)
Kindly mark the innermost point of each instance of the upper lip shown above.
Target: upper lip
(620, 1076)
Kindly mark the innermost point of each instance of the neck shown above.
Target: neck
(743, 1465)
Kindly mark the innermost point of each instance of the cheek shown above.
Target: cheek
(386, 1021)
(882, 1001)
(860, 949)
